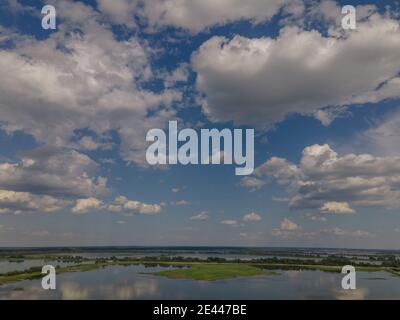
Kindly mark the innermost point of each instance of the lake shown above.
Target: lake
(131, 282)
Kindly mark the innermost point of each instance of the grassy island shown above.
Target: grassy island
(214, 271)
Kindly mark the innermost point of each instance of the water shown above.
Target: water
(130, 282)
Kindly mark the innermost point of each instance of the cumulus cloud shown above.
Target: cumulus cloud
(196, 15)
(56, 172)
(323, 179)
(12, 202)
(122, 204)
(179, 75)
(81, 77)
(120, 12)
(48, 179)
(288, 229)
(252, 182)
(200, 216)
(251, 217)
(231, 223)
(336, 207)
(288, 225)
(85, 205)
(279, 169)
(88, 143)
(258, 81)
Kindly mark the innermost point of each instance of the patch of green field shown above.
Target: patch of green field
(211, 271)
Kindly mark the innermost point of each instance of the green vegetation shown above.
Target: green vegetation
(36, 272)
(214, 271)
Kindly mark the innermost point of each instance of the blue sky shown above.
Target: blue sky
(76, 104)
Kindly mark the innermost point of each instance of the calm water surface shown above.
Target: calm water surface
(131, 282)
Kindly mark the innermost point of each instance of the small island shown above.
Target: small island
(214, 271)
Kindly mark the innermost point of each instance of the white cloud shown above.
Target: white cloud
(259, 81)
(232, 223)
(323, 176)
(122, 204)
(289, 229)
(280, 169)
(200, 216)
(196, 15)
(336, 207)
(88, 143)
(288, 225)
(12, 202)
(85, 205)
(81, 77)
(252, 216)
(56, 172)
(120, 12)
(252, 182)
(179, 75)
